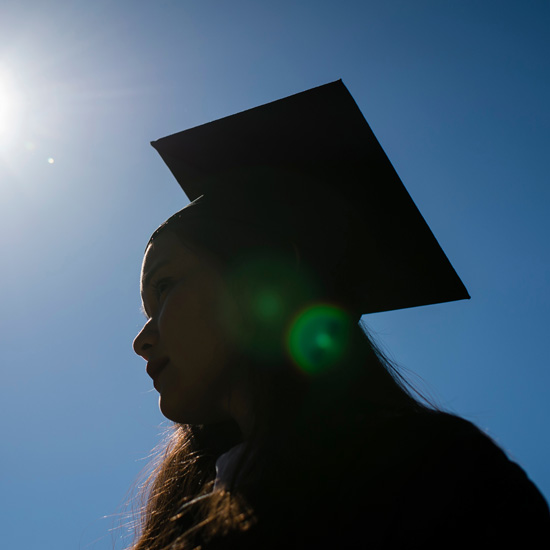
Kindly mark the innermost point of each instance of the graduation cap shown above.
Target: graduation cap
(308, 169)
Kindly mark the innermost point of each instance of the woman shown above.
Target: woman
(291, 429)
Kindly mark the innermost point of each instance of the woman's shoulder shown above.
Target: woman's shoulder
(441, 449)
(446, 476)
(433, 440)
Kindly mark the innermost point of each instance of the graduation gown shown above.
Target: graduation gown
(422, 480)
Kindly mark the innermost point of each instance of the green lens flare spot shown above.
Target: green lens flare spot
(324, 340)
(319, 337)
(264, 291)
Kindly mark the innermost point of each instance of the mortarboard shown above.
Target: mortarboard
(308, 169)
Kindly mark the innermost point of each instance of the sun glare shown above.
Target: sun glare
(10, 106)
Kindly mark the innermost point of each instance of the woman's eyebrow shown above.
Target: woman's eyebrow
(150, 274)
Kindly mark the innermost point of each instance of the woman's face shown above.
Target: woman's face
(183, 342)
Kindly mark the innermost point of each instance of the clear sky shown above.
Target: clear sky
(457, 93)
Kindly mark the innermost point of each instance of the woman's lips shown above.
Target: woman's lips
(154, 367)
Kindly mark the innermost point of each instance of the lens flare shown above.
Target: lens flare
(265, 292)
(319, 337)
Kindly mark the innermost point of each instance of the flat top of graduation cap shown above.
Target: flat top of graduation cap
(308, 169)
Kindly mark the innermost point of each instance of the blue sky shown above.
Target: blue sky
(456, 92)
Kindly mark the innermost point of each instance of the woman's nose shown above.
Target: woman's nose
(145, 340)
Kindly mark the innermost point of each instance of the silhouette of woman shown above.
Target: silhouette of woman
(291, 429)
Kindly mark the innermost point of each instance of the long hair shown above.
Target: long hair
(179, 507)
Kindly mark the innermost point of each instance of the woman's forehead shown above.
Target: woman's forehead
(165, 248)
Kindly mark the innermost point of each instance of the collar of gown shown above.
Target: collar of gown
(226, 466)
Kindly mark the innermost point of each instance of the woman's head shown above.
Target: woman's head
(221, 301)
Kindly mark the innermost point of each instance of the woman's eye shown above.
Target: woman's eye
(160, 287)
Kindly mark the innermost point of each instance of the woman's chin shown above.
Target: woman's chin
(188, 414)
